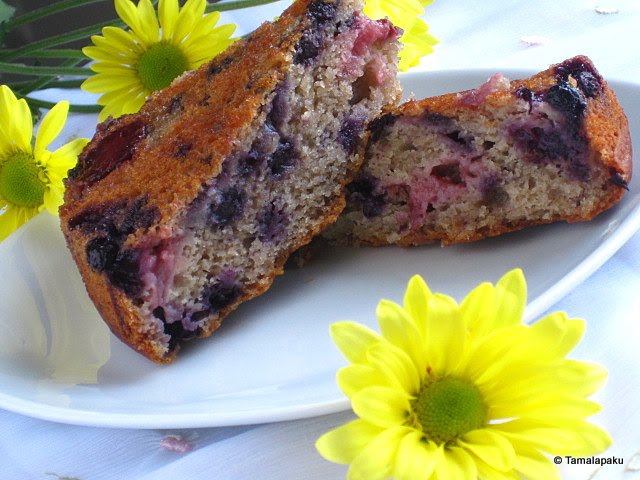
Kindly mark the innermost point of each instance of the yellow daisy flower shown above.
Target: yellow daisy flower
(416, 40)
(31, 177)
(131, 64)
(465, 391)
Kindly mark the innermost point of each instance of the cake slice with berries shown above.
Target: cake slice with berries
(479, 163)
(179, 213)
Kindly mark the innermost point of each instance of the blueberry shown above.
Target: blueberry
(378, 126)
(159, 313)
(541, 143)
(102, 253)
(220, 294)
(362, 193)
(463, 140)
(272, 222)
(567, 100)
(586, 76)
(177, 333)
(617, 179)
(308, 48)
(124, 272)
(217, 67)
(249, 163)
(449, 172)
(282, 160)
(322, 12)
(228, 207)
(349, 134)
(138, 216)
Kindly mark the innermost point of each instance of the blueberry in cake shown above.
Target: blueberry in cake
(177, 214)
(478, 163)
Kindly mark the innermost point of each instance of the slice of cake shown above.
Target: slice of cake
(177, 214)
(478, 163)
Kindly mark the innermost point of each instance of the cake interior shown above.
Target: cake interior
(283, 183)
(478, 170)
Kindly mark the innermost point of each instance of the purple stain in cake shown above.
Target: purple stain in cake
(117, 146)
(434, 119)
(378, 126)
(282, 160)
(449, 172)
(279, 109)
(567, 100)
(272, 222)
(492, 191)
(349, 133)
(227, 207)
(362, 193)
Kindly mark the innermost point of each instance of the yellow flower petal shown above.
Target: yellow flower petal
(563, 437)
(511, 298)
(396, 366)
(13, 218)
(375, 462)
(51, 126)
(491, 447)
(167, 13)
(534, 465)
(353, 340)
(416, 300)
(478, 309)
(552, 405)
(399, 328)
(381, 406)
(456, 464)
(19, 127)
(344, 443)
(445, 336)
(416, 458)
(354, 378)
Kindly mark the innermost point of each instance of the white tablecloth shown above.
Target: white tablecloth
(497, 34)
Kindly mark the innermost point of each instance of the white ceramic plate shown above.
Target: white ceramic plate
(273, 358)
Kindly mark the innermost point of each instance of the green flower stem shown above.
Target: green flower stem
(38, 45)
(51, 82)
(46, 81)
(20, 69)
(45, 11)
(34, 102)
(54, 53)
(236, 5)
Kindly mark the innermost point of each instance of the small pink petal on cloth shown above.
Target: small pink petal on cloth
(176, 443)
(533, 40)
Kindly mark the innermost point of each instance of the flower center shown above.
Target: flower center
(448, 408)
(20, 182)
(160, 65)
